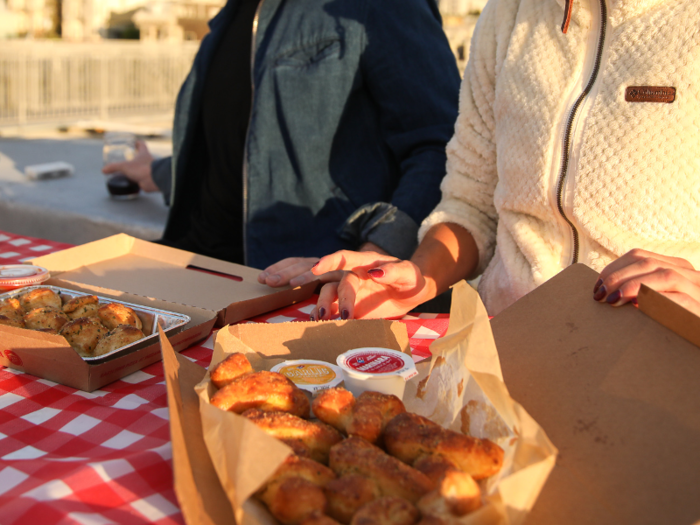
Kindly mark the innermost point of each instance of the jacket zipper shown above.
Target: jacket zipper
(253, 40)
(569, 126)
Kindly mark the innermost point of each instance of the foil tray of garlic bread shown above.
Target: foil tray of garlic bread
(97, 328)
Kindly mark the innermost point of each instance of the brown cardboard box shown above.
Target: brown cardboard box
(135, 271)
(460, 388)
(619, 395)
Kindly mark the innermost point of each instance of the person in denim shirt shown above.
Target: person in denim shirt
(352, 104)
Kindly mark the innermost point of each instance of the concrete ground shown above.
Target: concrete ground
(75, 209)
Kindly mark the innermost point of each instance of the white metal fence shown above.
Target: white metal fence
(62, 83)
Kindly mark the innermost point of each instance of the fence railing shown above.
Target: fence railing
(62, 83)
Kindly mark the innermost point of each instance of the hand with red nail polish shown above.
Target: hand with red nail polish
(373, 285)
(673, 277)
(380, 286)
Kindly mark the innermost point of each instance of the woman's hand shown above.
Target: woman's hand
(673, 277)
(373, 285)
(295, 271)
(378, 285)
(137, 169)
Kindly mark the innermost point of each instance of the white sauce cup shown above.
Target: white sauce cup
(376, 369)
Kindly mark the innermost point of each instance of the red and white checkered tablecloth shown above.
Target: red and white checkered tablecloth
(104, 457)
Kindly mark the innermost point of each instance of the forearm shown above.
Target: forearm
(447, 254)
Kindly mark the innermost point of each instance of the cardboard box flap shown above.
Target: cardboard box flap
(619, 396)
(38, 348)
(121, 244)
(143, 268)
(86, 254)
(672, 315)
(197, 486)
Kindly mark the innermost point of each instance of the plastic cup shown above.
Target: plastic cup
(310, 375)
(13, 276)
(120, 146)
(376, 369)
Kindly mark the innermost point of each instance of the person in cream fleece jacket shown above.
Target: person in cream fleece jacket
(578, 140)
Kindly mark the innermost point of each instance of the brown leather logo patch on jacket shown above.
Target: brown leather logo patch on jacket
(650, 94)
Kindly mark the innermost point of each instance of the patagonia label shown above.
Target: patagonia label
(650, 94)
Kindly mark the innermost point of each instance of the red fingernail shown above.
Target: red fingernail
(315, 265)
(376, 272)
(321, 313)
(600, 293)
(344, 314)
(614, 297)
(598, 284)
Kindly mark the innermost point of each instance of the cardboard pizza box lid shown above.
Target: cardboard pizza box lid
(618, 393)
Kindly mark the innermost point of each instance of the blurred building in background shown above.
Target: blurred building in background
(37, 18)
(458, 20)
(64, 62)
(461, 7)
(151, 20)
(91, 20)
(9, 21)
(96, 62)
(175, 21)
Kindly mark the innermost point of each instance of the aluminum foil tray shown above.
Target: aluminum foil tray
(170, 322)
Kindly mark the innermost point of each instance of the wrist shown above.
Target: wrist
(431, 285)
(447, 254)
(148, 185)
(428, 292)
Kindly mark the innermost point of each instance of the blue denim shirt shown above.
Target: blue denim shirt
(353, 104)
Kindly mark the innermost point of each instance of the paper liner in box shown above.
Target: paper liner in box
(461, 388)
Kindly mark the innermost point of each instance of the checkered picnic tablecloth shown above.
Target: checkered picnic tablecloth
(104, 457)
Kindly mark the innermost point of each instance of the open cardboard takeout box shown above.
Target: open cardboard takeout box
(616, 390)
(220, 459)
(209, 291)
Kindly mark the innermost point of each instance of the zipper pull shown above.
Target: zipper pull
(568, 7)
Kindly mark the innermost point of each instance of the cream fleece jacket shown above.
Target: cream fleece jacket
(633, 174)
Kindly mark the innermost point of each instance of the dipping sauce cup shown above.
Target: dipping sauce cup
(13, 276)
(376, 369)
(310, 375)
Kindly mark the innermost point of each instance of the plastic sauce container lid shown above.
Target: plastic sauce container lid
(369, 362)
(14, 276)
(309, 374)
